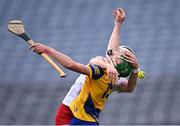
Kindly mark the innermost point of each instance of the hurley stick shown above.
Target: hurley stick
(17, 28)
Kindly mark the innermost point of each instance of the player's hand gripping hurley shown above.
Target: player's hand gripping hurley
(17, 28)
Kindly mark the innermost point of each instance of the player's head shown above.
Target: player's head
(116, 58)
(126, 48)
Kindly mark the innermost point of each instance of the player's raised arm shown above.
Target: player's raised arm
(114, 41)
(61, 58)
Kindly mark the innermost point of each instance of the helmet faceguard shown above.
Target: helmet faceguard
(123, 67)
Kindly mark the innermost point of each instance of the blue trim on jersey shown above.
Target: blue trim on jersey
(76, 121)
(110, 87)
(97, 71)
(90, 108)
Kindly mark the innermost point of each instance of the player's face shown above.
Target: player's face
(117, 59)
(115, 55)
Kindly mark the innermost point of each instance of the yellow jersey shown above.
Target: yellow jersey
(93, 95)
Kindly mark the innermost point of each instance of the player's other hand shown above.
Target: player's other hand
(39, 48)
(112, 74)
(130, 57)
(119, 15)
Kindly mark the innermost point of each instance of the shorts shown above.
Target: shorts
(63, 115)
(76, 121)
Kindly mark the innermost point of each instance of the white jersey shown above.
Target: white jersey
(76, 88)
(122, 81)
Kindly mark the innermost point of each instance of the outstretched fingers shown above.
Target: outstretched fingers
(119, 15)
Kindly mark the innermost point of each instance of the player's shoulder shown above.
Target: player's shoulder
(96, 71)
(94, 59)
(99, 61)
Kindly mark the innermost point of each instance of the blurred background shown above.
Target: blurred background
(31, 90)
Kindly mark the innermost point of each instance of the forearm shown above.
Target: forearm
(59, 57)
(132, 82)
(67, 62)
(114, 41)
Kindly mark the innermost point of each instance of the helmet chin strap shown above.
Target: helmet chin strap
(112, 52)
(112, 62)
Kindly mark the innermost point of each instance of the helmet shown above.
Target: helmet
(124, 68)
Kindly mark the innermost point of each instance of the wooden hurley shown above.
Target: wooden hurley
(17, 28)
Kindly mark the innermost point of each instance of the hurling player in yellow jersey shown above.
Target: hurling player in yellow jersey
(102, 77)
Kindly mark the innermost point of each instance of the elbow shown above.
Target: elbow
(76, 67)
(70, 65)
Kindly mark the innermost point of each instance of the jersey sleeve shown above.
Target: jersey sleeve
(96, 72)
